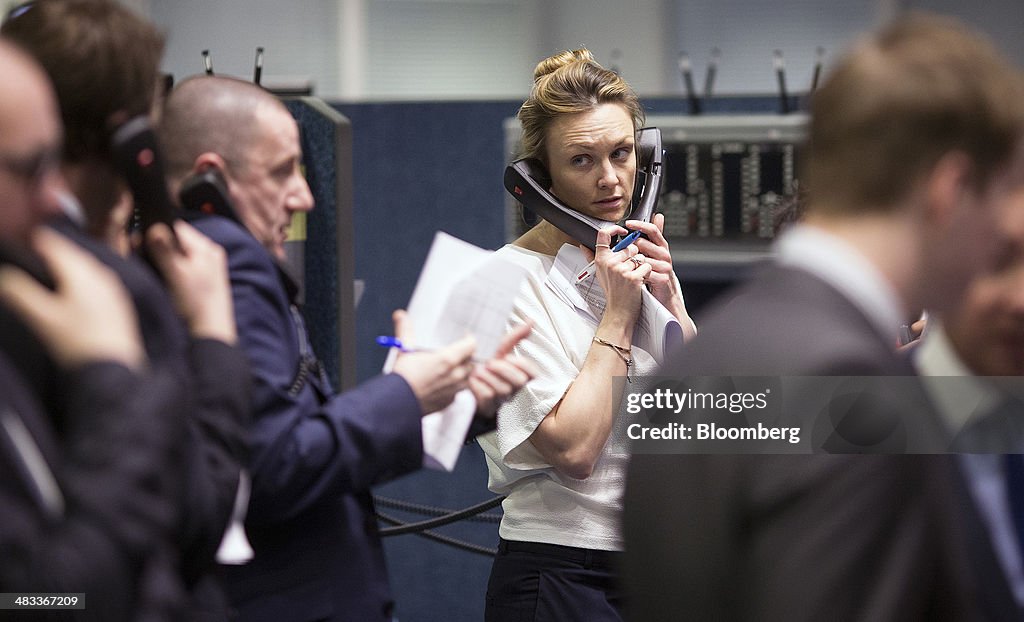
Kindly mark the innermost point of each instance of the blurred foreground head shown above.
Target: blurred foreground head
(103, 61)
(30, 140)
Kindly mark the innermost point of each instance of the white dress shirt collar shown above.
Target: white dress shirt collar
(958, 394)
(842, 266)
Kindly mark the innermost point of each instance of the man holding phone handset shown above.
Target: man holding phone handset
(195, 347)
(315, 453)
(554, 453)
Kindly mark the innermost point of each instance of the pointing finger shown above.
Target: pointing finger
(513, 337)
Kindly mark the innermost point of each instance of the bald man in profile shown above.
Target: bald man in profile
(316, 453)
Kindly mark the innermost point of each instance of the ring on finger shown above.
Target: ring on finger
(636, 262)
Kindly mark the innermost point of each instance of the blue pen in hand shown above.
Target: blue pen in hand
(623, 243)
(395, 342)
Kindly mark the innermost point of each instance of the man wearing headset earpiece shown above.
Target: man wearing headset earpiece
(315, 453)
(90, 446)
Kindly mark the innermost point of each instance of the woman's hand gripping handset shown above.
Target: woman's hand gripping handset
(654, 250)
(622, 275)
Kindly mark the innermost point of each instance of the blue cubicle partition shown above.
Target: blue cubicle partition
(324, 258)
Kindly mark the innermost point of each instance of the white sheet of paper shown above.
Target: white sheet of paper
(462, 289)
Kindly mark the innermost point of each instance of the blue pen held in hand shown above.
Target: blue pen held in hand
(395, 342)
(623, 243)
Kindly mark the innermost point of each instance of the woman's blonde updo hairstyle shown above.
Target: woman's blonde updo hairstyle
(566, 83)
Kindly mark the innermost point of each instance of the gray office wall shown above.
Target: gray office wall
(484, 49)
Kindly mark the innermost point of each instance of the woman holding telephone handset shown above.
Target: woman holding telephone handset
(555, 455)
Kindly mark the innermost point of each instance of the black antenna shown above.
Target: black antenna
(257, 71)
(817, 67)
(709, 77)
(167, 84)
(616, 54)
(207, 62)
(691, 94)
(780, 72)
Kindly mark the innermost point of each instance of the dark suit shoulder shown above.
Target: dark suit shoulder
(249, 263)
(163, 333)
(785, 321)
(241, 247)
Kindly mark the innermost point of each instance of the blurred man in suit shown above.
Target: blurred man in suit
(84, 509)
(914, 140)
(971, 359)
(103, 62)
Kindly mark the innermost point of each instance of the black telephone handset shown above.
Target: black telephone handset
(207, 192)
(137, 155)
(528, 182)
